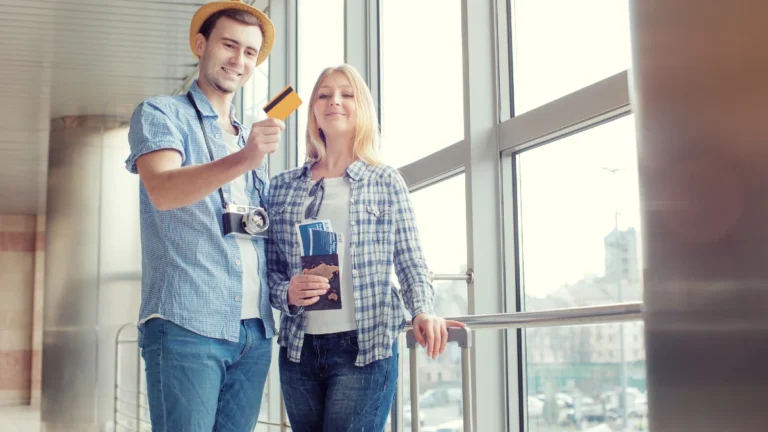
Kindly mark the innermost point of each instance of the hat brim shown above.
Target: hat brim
(208, 9)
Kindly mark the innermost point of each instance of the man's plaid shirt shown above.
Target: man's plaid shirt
(384, 234)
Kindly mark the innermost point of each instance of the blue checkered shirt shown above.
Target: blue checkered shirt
(191, 273)
(383, 235)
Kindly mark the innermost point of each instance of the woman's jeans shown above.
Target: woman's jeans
(327, 392)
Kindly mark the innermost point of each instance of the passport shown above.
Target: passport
(326, 266)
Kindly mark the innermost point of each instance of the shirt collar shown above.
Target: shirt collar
(205, 105)
(354, 171)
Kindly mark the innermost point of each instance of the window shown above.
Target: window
(255, 93)
(570, 386)
(441, 219)
(320, 45)
(422, 102)
(561, 46)
(578, 198)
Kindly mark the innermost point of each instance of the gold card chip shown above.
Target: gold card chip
(283, 105)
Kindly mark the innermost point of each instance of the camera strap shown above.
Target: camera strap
(210, 153)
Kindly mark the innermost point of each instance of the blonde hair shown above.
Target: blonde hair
(366, 142)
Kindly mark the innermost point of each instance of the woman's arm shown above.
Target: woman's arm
(410, 265)
(290, 294)
(411, 269)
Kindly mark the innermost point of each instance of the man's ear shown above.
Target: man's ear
(200, 44)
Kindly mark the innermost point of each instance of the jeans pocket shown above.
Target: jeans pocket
(349, 343)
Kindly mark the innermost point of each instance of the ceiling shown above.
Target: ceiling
(79, 57)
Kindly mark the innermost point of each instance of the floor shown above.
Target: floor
(20, 419)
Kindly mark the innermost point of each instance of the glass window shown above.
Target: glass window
(256, 93)
(443, 237)
(574, 382)
(580, 219)
(442, 221)
(422, 102)
(560, 46)
(320, 45)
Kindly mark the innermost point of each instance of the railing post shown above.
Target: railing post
(138, 389)
(283, 415)
(463, 336)
(410, 341)
(397, 419)
(117, 378)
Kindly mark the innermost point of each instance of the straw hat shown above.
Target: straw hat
(209, 9)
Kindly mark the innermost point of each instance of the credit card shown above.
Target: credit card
(283, 105)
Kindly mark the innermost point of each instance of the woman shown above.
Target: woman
(338, 367)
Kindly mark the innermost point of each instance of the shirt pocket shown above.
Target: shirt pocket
(379, 222)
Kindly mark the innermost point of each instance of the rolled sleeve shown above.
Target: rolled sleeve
(152, 129)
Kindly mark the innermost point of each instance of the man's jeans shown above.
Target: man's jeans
(327, 392)
(201, 384)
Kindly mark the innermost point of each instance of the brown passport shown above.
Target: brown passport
(326, 266)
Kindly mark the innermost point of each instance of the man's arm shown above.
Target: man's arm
(171, 186)
(160, 151)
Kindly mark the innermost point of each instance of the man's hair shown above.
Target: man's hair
(235, 14)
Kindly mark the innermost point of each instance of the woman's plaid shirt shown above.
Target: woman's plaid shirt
(384, 235)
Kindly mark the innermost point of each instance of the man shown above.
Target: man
(205, 324)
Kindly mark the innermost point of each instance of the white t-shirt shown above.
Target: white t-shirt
(249, 259)
(335, 207)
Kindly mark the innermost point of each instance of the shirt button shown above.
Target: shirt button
(237, 262)
(237, 299)
(352, 223)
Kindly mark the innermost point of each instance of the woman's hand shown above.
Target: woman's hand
(305, 290)
(432, 332)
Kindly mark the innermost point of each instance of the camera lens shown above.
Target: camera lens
(255, 221)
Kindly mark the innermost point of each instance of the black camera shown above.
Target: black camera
(245, 222)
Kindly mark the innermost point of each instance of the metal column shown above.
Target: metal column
(700, 91)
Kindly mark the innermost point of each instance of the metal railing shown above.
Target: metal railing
(588, 315)
(612, 313)
(140, 402)
(468, 277)
(616, 312)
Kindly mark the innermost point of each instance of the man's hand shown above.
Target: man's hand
(305, 290)
(263, 140)
(432, 332)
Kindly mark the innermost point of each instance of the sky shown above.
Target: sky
(568, 198)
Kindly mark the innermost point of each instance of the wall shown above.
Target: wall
(22, 244)
(93, 273)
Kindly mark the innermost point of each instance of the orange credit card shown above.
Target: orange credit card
(283, 105)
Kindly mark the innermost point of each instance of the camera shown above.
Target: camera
(245, 222)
